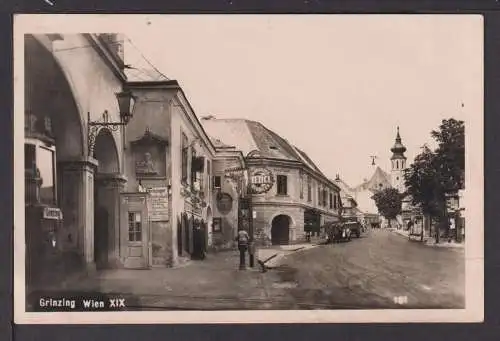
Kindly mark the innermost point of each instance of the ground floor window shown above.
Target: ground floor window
(134, 227)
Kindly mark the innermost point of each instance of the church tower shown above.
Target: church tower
(398, 162)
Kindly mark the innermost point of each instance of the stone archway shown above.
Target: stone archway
(280, 230)
(53, 118)
(107, 187)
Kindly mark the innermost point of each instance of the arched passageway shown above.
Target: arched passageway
(106, 200)
(54, 146)
(280, 230)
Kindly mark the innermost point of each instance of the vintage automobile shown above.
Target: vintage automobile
(337, 232)
(355, 228)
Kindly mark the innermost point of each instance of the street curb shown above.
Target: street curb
(426, 243)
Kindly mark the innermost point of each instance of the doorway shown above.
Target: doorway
(280, 230)
(101, 242)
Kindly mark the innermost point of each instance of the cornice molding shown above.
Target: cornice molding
(107, 56)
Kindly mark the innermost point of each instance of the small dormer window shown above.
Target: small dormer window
(273, 147)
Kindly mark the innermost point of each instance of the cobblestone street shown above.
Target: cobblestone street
(369, 272)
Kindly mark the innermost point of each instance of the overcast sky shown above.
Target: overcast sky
(335, 86)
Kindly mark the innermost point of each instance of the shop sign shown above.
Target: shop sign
(261, 180)
(52, 213)
(158, 203)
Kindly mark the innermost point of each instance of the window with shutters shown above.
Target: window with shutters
(309, 189)
(301, 179)
(184, 156)
(282, 181)
(320, 191)
(217, 181)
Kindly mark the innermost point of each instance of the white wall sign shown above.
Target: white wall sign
(158, 203)
(261, 180)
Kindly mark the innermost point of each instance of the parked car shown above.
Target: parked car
(337, 232)
(355, 228)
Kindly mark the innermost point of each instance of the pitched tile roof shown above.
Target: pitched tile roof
(248, 136)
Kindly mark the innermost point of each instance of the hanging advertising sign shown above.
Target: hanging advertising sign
(261, 180)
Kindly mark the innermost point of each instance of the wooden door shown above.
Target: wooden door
(137, 233)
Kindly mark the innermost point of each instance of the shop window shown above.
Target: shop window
(184, 156)
(30, 160)
(134, 227)
(45, 165)
(282, 181)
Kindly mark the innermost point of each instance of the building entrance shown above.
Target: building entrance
(280, 230)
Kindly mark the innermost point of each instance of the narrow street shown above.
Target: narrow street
(372, 271)
(365, 273)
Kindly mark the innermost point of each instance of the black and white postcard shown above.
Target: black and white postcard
(248, 168)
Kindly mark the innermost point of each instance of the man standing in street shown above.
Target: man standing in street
(242, 238)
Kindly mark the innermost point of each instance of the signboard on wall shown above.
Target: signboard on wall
(261, 180)
(158, 203)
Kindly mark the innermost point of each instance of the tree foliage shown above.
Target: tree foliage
(450, 154)
(389, 202)
(435, 173)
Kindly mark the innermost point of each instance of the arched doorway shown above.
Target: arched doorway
(106, 199)
(280, 230)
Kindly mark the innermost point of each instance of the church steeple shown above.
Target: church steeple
(398, 149)
(398, 161)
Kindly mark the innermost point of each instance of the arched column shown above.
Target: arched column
(77, 201)
(109, 188)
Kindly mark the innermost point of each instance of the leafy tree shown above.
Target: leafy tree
(433, 174)
(422, 183)
(450, 154)
(389, 202)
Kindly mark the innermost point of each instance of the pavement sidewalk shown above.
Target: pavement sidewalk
(429, 241)
(214, 283)
(273, 256)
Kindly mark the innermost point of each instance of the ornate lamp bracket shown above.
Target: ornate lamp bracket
(95, 126)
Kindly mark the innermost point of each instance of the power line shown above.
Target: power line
(81, 47)
(144, 57)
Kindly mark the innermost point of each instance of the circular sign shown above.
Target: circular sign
(225, 203)
(261, 180)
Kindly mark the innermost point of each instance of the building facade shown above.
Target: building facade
(289, 194)
(70, 80)
(118, 173)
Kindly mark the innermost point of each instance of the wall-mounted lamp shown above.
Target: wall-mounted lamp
(126, 102)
